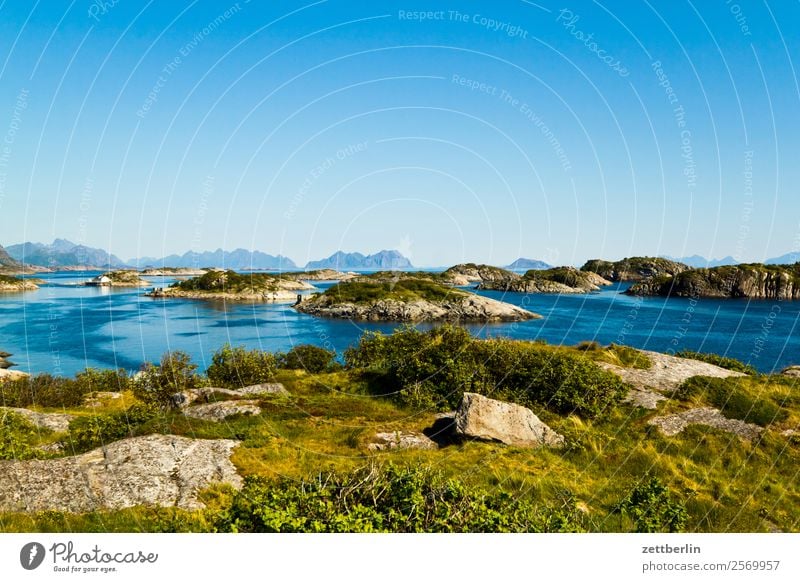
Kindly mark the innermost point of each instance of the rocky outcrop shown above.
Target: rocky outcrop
(11, 375)
(10, 284)
(556, 280)
(217, 411)
(173, 272)
(458, 307)
(188, 397)
(266, 388)
(791, 371)
(468, 273)
(55, 421)
(400, 440)
(482, 418)
(634, 268)
(665, 374)
(676, 423)
(218, 285)
(731, 281)
(155, 470)
(320, 275)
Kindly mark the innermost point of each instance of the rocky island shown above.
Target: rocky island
(555, 280)
(319, 275)
(467, 273)
(634, 268)
(407, 297)
(10, 284)
(232, 286)
(122, 278)
(753, 280)
(173, 272)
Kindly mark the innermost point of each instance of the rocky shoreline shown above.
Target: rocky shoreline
(466, 307)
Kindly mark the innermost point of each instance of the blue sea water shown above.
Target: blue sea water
(65, 327)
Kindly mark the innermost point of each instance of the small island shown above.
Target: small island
(10, 284)
(755, 280)
(634, 268)
(467, 273)
(173, 272)
(232, 286)
(407, 297)
(555, 280)
(123, 278)
(319, 275)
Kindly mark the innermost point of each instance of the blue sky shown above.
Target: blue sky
(480, 132)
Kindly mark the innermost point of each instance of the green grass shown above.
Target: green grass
(725, 483)
(721, 361)
(230, 282)
(404, 289)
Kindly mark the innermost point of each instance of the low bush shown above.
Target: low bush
(733, 398)
(312, 359)
(16, 436)
(390, 499)
(721, 361)
(651, 508)
(434, 368)
(89, 432)
(156, 385)
(237, 367)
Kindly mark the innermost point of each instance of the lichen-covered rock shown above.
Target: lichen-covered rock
(266, 388)
(676, 423)
(156, 470)
(55, 421)
(217, 411)
(400, 440)
(666, 372)
(11, 375)
(791, 371)
(483, 418)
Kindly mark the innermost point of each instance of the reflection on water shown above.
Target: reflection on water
(64, 327)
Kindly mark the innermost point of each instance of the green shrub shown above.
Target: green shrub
(16, 437)
(59, 392)
(89, 432)
(43, 390)
(104, 380)
(721, 361)
(389, 499)
(651, 508)
(733, 399)
(156, 384)
(312, 359)
(238, 367)
(434, 368)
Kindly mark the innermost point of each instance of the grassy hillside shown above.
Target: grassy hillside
(306, 452)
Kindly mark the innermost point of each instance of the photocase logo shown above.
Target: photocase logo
(31, 555)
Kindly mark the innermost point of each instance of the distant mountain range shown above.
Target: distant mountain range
(528, 264)
(341, 261)
(7, 260)
(238, 260)
(699, 262)
(787, 259)
(63, 253)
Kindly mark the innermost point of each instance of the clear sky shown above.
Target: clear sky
(479, 131)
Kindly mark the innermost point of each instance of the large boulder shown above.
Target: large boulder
(160, 470)
(483, 418)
